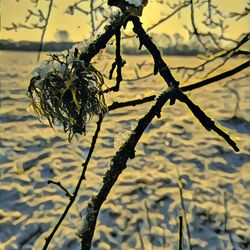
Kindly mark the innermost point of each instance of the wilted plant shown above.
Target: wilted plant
(67, 91)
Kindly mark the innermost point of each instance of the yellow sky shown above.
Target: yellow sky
(78, 25)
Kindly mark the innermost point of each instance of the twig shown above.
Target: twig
(178, 9)
(237, 103)
(44, 29)
(180, 232)
(196, 32)
(92, 16)
(82, 177)
(205, 120)
(37, 25)
(224, 54)
(67, 193)
(118, 64)
(216, 78)
(149, 224)
(138, 77)
(183, 210)
(117, 105)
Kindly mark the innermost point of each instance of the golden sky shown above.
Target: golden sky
(78, 25)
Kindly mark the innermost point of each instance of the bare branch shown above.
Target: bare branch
(205, 120)
(238, 16)
(225, 55)
(183, 209)
(92, 15)
(195, 30)
(45, 28)
(67, 193)
(178, 9)
(190, 87)
(180, 232)
(117, 165)
(166, 74)
(217, 77)
(118, 64)
(82, 177)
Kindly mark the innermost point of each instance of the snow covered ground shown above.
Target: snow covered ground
(143, 208)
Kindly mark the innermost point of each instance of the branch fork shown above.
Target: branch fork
(119, 161)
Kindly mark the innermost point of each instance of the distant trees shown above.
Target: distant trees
(62, 35)
(167, 45)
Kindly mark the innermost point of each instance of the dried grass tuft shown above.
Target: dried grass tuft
(67, 92)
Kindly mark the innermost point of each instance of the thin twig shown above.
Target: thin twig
(67, 193)
(118, 64)
(196, 32)
(180, 232)
(178, 9)
(216, 78)
(149, 224)
(183, 210)
(92, 16)
(82, 177)
(44, 29)
(224, 54)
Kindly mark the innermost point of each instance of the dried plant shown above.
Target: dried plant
(67, 91)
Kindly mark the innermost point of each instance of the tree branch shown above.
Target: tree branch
(94, 48)
(67, 193)
(190, 87)
(217, 77)
(82, 177)
(118, 64)
(127, 150)
(44, 29)
(117, 105)
(117, 165)
(183, 210)
(177, 93)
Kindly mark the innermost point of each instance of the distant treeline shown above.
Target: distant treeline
(34, 46)
(174, 50)
(167, 45)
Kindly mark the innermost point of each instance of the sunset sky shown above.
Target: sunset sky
(78, 25)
